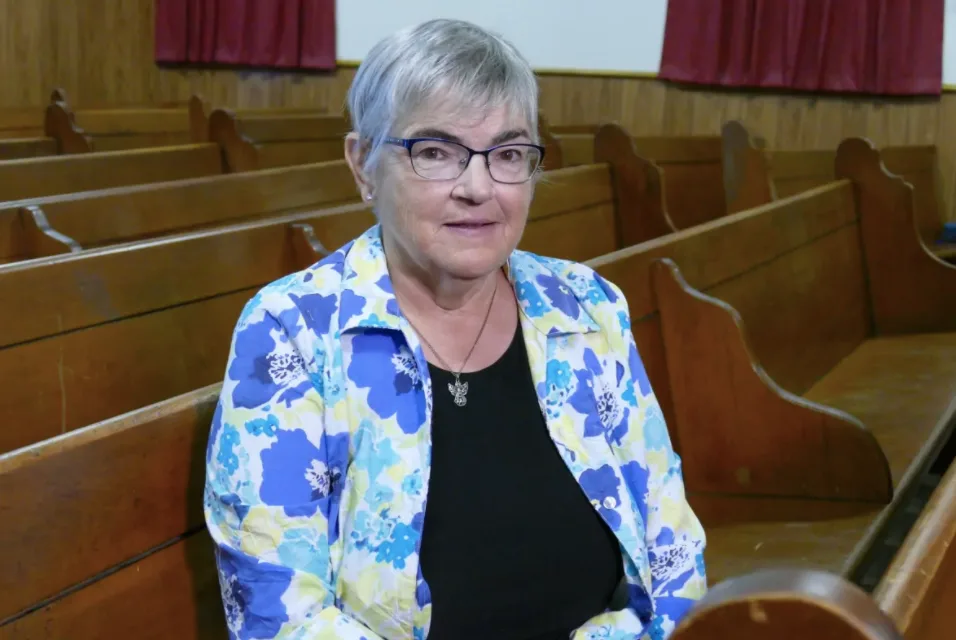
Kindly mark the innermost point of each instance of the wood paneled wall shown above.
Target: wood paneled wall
(101, 52)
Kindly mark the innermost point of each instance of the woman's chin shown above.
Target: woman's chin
(472, 264)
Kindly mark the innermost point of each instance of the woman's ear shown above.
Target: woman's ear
(356, 151)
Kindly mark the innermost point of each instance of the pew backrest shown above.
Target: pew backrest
(98, 325)
(71, 222)
(118, 129)
(265, 141)
(39, 177)
(20, 148)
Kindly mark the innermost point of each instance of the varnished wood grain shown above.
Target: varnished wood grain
(38, 177)
(122, 214)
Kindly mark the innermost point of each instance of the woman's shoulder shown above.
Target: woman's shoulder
(311, 295)
(590, 290)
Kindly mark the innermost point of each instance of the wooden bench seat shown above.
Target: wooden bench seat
(802, 353)
(39, 177)
(264, 141)
(73, 222)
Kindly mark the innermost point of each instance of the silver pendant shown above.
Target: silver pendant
(459, 390)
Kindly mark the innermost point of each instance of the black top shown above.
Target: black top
(511, 548)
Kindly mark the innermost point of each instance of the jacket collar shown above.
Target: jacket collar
(541, 289)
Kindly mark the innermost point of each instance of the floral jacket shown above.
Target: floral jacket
(317, 464)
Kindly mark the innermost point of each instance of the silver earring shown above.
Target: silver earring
(368, 196)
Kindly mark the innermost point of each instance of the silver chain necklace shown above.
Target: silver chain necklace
(459, 390)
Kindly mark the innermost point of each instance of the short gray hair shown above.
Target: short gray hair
(439, 58)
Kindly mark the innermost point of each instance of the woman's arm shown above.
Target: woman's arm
(674, 536)
(272, 487)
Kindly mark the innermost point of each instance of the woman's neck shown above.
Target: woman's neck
(433, 294)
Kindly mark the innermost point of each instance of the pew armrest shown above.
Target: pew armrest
(787, 605)
(39, 239)
(913, 290)
(740, 432)
(307, 248)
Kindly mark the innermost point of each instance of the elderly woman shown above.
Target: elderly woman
(431, 434)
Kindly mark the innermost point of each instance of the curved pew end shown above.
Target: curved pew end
(198, 121)
(238, 152)
(59, 95)
(716, 380)
(60, 125)
(638, 187)
(40, 238)
(306, 246)
(553, 156)
(747, 181)
(786, 604)
(921, 581)
(912, 289)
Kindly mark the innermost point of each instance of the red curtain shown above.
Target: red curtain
(286, 34)
(892, 47)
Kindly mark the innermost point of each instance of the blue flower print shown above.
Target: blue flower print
(352, 305)
(530, 300)
(402, 543)
(671, 563)
(214, 431)
(259, 371)
(636, 365)
(263, 426)
(635, 479)
(625, 320)
(227, 457)
(655, 429)
(598, 401)
(389, 372)
(601, 487)
(559, 373)
(316, 310)
(300, 477)
(252, 594)
(560, 296)
(607, 290)
(305, 550)
(413, 483)
(289, 321)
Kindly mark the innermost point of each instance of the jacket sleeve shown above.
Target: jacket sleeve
(674, 536)
(273, 482)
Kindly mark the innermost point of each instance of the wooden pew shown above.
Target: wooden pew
(18, 148)
(760, 175)
(77, 221)
(263, 141)
(200, 111)
(920, 585)
(137, 480)
(97, 326)
(21, 122)
(39, 177)
(803, 353)
(690, 167)
(178, 427)
(786, 604)
(118, 129)
(100, 345)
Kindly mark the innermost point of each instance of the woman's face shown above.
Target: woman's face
(464, 227)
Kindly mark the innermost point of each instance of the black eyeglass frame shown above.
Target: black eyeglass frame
(408, 143)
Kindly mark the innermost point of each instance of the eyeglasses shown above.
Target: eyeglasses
(438, 159)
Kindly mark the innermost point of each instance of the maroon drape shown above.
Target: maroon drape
(288, 34)
(859, 46)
